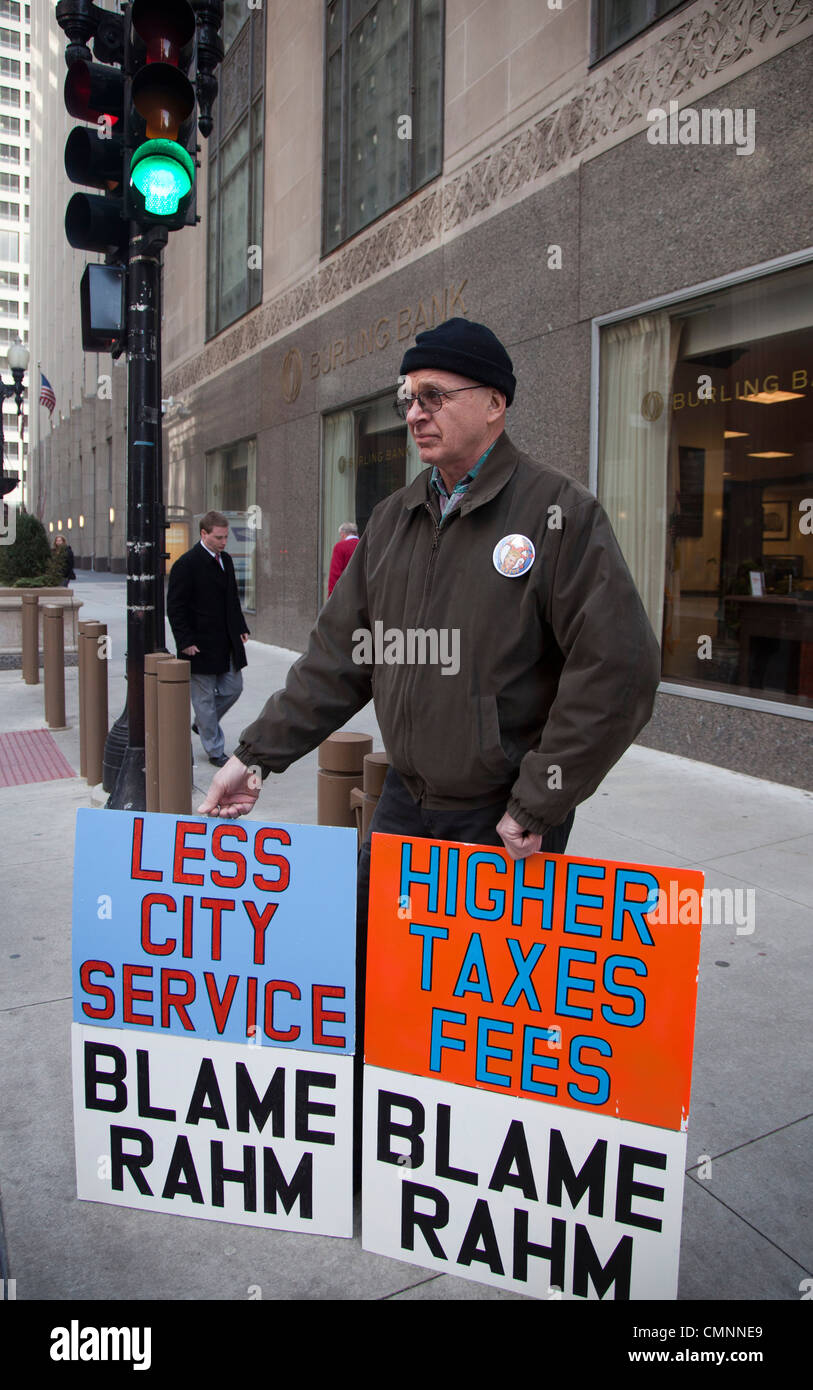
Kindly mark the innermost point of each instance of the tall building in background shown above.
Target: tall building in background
(15, 144)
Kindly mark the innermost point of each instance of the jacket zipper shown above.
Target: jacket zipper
(419, 623)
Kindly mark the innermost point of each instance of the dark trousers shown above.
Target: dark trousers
(397, 814)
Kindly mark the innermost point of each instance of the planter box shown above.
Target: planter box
(11, 616)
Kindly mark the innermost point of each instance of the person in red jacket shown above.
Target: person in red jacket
(342, 550)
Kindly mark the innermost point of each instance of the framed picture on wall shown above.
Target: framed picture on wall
(776, 521)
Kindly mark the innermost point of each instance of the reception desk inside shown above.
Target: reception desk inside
(783, 617)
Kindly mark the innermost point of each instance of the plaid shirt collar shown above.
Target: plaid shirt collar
(447, 502)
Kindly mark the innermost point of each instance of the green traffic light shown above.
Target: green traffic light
(163, 172)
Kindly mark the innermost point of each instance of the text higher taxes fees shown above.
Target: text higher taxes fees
(551, 977)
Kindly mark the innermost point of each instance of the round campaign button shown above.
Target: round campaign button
(513, 556)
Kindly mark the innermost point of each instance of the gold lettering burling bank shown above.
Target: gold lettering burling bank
(750, 391)
(406, 323)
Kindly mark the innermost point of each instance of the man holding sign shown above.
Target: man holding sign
(514, 566)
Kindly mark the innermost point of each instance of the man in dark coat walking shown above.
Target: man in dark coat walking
(203, 607)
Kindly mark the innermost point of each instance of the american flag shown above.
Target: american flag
(47, 397)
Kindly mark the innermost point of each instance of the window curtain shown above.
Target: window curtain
(637, 362)
(248, 452)
(339, 484)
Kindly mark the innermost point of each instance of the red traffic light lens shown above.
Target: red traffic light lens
(165, 27)
(92, 91)
(77, 92)
(162, 50)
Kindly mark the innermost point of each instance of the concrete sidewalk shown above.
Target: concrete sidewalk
(747, 1224)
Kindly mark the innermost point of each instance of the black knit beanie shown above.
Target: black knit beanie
(469, 349)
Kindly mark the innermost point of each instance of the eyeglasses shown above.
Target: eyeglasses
(431, 400)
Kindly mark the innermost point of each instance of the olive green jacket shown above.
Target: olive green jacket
(557, 667)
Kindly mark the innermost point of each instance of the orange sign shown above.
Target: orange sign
(565, 980)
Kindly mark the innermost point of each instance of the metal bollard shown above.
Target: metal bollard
(376, 766)
(151, 726)
(174, 742)
(82, 646)
(341, 760)
(95, 697)
(356, 803)
(53, 643)
(31, 639)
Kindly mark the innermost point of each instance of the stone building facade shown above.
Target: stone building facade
(623, 194)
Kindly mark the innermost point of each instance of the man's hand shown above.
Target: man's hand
(520, 843)
(191, 651)
(233, 792)
(244, 636)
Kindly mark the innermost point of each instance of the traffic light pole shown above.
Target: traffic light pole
(141, 156)
(145, 532)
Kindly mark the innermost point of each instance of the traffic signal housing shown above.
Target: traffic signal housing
(161, 115)
(102, 306)
(94, 157)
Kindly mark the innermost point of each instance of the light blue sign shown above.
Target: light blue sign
(237, 930)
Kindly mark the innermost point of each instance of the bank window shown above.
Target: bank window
(383, 108)
(231, 488)
(235, 184)
(235, 15)
(616, 22)
(367, 454)
(706, 472)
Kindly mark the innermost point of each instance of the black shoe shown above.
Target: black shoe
(219, 762)
(195, 729)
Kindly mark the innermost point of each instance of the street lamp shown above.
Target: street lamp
(18, 358)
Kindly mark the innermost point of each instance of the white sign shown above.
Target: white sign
(535, 1198)
(260, 1136)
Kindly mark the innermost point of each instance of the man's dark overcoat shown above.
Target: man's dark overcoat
(203, 607)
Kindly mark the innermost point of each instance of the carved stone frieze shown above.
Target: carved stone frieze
(234, 86)
(668, 64)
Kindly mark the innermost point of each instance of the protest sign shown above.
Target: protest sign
(214, 997)
(215, 929)
(257, 1135)
(537, 1199)
(559, 980)
(545, 977)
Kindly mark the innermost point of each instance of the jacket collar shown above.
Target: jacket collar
(220, 563)
(491, 479)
